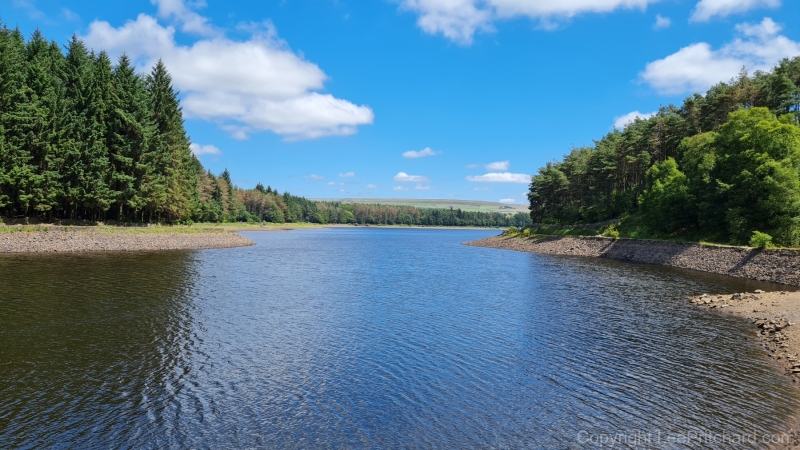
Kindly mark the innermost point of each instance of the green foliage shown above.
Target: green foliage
(511, 231)
(667, 205)
(760, 240)
(719, 167)
(611, 232)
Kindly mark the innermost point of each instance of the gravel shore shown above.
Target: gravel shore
(777, 266)
(79, 240)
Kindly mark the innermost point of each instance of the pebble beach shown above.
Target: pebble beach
(75, 239)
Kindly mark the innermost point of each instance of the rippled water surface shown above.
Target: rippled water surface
(370, 338)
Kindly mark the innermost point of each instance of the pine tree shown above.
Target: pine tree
(128, 134)
(169, 184)
(77, 85)
(43, 136)
(16, 119)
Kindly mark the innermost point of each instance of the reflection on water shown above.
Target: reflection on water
(369, 338)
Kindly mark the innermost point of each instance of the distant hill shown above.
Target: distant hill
(464, 205)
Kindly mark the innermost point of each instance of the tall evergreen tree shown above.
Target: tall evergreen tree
(129, 133)
(169, 182)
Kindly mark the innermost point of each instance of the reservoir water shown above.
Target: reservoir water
(374, 338)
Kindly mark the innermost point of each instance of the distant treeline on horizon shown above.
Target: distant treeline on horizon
(84, 139)
(720, 167)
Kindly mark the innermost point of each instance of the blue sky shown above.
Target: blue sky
(419, 98)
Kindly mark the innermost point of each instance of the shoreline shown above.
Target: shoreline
(80, 239)
(775, 266)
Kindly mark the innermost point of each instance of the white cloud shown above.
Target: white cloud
(459, 20)
(422, 187)
(347, 174)
(662, 22)
(399, 188)
(499, 165)
(622, 121)
(190, 21)
(501, 177)
(244, 86)
(697, 67)
(420, 154)
(507, 200)
(406, 178)
(706, 9)
(198, 149)
(371, 186)
(315, 177)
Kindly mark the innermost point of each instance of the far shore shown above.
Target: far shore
(49, 238)
(55, 239)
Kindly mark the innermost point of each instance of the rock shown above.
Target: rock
(759, 291)
(736, 297)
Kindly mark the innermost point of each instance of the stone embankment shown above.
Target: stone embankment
(78, 240)
(778, 266)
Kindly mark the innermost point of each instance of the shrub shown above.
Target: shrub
(512, 230)
(611, 232)
(760, 240)
(526, 232)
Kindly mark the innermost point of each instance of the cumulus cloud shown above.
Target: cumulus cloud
(500, 177)
(622, 121)
(498, 165)
(399, 188)
(662, 22)
(697, 67)
(244, 86)
(347, 174)
(420, 154)
(706, 9)
(459, 20)
(198, 149)
(315, 177)
(406, 178)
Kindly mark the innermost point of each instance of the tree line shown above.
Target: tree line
(721, 166)
(82, 138)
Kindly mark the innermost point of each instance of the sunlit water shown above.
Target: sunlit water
(371, 338)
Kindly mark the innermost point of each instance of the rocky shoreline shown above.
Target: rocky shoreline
(67, 240)
(777, 266)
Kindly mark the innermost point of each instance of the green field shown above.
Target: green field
(464, 205)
